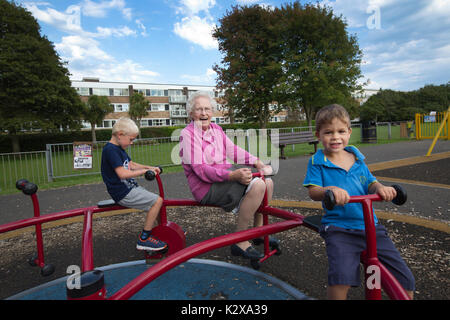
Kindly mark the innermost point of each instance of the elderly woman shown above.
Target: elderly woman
(204, 152)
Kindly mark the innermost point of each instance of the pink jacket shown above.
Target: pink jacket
(204, 157)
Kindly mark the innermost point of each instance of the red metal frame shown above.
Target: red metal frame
(369, 257)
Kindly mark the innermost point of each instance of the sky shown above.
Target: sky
(405, 43)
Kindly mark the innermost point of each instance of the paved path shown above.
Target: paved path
(424, 201)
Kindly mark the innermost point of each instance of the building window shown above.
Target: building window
(108, 123)
(157, 93)
(100, 91)
(220, 120)
(157, 107)
(121, 92)
(82, 91)
(121, 107)
(157, 122)
(141, 91)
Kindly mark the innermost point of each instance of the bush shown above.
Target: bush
(36, 141)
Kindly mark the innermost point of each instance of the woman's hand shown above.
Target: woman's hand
(264, 169)
(243, 175)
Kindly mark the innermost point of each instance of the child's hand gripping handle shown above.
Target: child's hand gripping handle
(329, 201)
(401, 196)
(150, 174)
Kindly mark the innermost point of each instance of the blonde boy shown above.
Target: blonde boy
(118, 173)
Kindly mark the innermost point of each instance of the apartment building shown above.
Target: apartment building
(167, 102)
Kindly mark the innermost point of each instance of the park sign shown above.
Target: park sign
(82, 155)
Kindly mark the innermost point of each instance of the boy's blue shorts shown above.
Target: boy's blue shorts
(344, 247)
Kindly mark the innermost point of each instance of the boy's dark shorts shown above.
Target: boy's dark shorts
(344, 247)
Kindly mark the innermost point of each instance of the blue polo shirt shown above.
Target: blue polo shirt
(323, 173)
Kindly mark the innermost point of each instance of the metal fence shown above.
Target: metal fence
(28, 165)
(428, 125)
(154, 151)
(57, 161)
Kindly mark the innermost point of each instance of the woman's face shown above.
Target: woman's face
(202, 112)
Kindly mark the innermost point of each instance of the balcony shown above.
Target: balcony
(177, 99)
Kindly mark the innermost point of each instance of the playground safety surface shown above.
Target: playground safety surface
(302, 264)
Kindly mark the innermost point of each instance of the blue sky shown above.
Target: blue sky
(406, 43)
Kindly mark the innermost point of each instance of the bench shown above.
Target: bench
(286, 138)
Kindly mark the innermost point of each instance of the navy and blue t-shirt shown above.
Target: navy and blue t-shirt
(114, 156)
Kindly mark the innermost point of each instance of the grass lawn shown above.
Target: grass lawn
(33, 167)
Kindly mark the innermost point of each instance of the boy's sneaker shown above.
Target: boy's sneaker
(151, 244)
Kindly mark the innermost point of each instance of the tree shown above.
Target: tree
(298, 56)
(35, 90)
(95, 110)
(321, 62)
(433, 98)
(250, 69)
(138, 108)
(391, 105)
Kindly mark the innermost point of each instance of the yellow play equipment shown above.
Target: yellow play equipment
(433, 126)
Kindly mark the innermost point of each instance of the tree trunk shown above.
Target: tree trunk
(94, 137)
(308, 113)
(15, 143)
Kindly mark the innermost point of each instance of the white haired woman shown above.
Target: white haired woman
(205, 149)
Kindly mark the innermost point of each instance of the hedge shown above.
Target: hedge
(36, 141)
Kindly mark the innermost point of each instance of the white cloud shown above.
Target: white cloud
(197, 24)
(77, 48)
(196, 30)
(68, 21)
(247, 2)
(86, 58)
(207, 77)
(409, 49)
(142, 27)
(125, 71)
(100, 9)
(192, 7)
(116, 32)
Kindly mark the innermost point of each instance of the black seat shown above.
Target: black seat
(313, 222)
(106, 203)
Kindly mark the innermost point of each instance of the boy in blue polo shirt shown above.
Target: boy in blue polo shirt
(118, 173)
(341, 169)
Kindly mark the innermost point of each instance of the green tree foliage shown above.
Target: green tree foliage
(138, 107)
(390, 105)
(250, 67)
(298, 56)
(35, 90)
(321, 61)
(95, 110)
